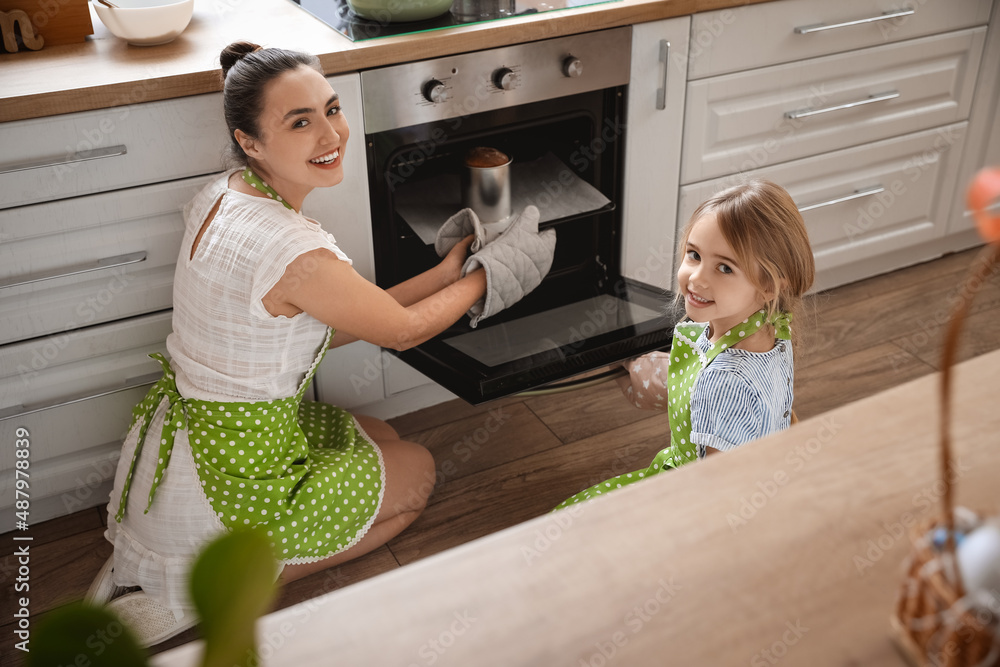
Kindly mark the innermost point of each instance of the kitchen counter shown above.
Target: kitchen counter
(105, 71)
(789, 549)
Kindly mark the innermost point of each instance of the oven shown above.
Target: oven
(557, 108)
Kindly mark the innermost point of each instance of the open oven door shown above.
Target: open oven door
(511, 355)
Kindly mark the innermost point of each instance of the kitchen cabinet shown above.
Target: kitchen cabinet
(860, 109)
(655, 111)
(983, 146)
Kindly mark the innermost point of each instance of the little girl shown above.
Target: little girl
(727, 379)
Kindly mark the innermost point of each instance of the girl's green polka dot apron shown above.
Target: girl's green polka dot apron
(299, 470)
(685, 365)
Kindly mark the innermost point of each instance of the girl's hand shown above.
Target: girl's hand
(451, 265)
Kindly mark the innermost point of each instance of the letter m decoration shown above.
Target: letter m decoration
(14, 24)
(31, 24)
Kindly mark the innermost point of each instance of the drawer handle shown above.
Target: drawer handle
(79, 156)
(885, 16)
(25, 410)
(661, 93)
(76, 269)
(871, 99)
(857, 194)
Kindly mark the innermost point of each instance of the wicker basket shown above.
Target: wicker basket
(936, 622)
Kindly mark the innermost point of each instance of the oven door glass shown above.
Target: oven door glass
(566, 160)
(497, 360)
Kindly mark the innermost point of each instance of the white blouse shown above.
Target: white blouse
(225, 345)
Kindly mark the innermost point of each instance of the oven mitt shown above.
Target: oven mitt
(515, 263)
(460, 225)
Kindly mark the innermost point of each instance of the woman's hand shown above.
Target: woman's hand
(451, 265)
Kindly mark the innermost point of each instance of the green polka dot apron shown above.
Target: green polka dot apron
(684, 367)
(301, 471)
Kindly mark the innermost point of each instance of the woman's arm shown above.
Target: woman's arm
(421, 286)
(330, 290)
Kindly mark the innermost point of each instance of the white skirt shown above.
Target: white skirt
(155, 550)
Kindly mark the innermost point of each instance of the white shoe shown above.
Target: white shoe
(103, 588)
(150, 621)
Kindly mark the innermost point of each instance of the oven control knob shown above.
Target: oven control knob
(505, 78)
(572, 67)
(436, 92)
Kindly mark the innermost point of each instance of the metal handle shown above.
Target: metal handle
(661, 93)
(76, 269)
(857, 194)
(25, 410)
(871, 99)
(884, 16)
(79, 156)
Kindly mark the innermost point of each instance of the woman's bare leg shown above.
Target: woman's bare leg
(409, 480)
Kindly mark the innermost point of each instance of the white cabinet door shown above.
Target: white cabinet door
(75, 262)
(744, 121)
(983, 146)
(862, 206)
(106, 149)
(74, 393)
(655, 119)
(350, 375)
(742, 38)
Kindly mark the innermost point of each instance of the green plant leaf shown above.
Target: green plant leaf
(232, 584)
(84, 634)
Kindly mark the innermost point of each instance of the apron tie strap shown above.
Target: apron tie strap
(143, 413)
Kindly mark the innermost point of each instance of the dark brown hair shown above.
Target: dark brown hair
(762, 224)
(246, 71)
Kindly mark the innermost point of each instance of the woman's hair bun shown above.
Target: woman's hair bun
(234, 53)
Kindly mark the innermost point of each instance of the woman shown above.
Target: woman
(259, 291)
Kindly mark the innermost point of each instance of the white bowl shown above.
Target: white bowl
(146, 22)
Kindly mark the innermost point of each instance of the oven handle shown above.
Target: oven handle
(661, 93)
(573, 385)
(820, 27)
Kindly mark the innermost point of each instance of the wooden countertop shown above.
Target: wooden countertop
(787, 550)
(105, 71)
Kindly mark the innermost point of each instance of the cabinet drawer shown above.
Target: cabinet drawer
(107, 149)
(864, 202)
(73, 263)
(75, 393)
(731, 40)
(84, 383)
(739, 122)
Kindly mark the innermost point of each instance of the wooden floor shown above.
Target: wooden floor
(508, 461)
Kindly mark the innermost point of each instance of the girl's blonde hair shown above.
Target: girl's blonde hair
(763, 226)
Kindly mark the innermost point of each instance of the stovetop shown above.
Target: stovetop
(338, 15)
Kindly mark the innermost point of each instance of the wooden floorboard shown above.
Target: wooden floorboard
(507, 461)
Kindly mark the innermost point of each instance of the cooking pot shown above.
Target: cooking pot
(399, 11)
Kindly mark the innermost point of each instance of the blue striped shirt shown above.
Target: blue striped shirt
(741, 396)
